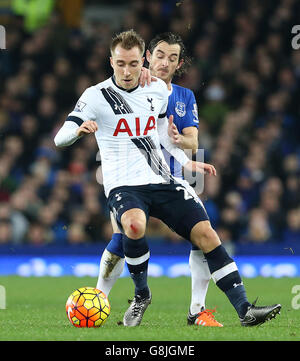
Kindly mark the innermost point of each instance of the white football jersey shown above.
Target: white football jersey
(127, 135)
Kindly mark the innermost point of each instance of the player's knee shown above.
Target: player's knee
(135, 229)
(134, 224)
(205, 237)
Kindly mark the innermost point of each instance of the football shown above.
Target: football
(87, 307)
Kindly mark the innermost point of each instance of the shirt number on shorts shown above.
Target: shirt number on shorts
(186, 195)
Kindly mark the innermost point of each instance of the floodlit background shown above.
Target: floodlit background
(246, 79)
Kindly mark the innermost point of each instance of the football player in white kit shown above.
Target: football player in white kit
(167, 57)
(130, 125)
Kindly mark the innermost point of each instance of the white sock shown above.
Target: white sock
(200, 276)
(111, 268)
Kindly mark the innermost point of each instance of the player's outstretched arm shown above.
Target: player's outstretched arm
(200, 167)
(70, 132)
(164, 129)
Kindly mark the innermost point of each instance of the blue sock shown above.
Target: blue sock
(226, 276)
(115, 245)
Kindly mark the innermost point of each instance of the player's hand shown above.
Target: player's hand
(145, 77)
(201, 167)
(87, 127)
(173, 132)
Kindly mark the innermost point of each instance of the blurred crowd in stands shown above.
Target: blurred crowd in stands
(246, 79)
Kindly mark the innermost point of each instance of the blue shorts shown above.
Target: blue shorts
(171, 203)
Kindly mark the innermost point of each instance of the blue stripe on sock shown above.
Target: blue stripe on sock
(115, 245)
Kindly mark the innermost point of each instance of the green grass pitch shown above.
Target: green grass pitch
(35, 311)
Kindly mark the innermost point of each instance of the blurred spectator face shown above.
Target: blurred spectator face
(47, 216)
(233, 199)
(293, 219)
(6, 233)
(4, 210)
(60, 193)
(127, 65)
(37, 234)
(80, 216)
(76, 234)
(29, 125)
(164, 60)
(18, 201)
(155, 8)
(203, 48)
(49, 84)
(46, 107)
(274, 186)
(13, 145)
(40, 169)
(259, 230)
(92, 206)
(62, 67)
(269, 202)
(291, 164)
(93, 64)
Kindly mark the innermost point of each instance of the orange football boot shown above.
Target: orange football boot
(203, 318)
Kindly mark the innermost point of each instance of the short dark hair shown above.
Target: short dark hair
(172, 39)
(128, 40)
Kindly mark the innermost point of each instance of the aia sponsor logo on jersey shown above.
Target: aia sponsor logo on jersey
(123, 127)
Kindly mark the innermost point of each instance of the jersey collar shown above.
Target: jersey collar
(126, 90)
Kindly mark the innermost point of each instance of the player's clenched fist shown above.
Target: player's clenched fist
(89, 126)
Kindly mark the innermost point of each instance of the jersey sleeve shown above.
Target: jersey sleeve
(165, 94)
(164, 139)
(85, 108)
(191, 117)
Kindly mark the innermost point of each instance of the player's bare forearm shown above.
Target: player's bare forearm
(201, 167)
(188, 142)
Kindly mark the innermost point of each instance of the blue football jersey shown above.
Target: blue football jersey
(182, 105)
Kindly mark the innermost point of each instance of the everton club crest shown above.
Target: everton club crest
(180, 109)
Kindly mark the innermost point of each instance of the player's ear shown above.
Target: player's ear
(180, 64)
(143, 60)
(148, 55)
(111, 62)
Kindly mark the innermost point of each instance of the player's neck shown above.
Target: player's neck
(169, 85)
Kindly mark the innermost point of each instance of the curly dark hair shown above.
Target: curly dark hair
(172, 39)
